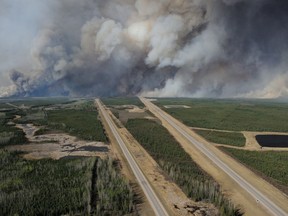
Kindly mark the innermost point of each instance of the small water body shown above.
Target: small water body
(93, 149)
(273, 141)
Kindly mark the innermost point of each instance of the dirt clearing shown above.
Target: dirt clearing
(57, 145)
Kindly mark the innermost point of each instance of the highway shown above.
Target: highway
(256, 194)
(143, 182)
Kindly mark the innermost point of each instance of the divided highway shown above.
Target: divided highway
(261, 198)
(143, 182)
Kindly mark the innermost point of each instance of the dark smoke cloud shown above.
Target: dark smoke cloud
(208, 48)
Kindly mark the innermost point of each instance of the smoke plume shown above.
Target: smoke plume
(196, 48)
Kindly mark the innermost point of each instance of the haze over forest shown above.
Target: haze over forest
(196, 48)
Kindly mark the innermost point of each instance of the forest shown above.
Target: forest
(271, 165)
(227, 138)
(10, 135)
(122, 101)
(178, 165)
(69, 186)
(74, 186)
(80, 120)
(80, 123)
(232, 115)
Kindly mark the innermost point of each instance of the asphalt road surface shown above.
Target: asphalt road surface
(260, 198)
(143, 182)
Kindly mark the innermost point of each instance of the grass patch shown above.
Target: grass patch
(270, 164)
(234, 115)
(121, 101)
(233, 139)
(178, 165)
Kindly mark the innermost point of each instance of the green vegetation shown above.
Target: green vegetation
(33, 102)
(115, 113)
(44, 187)
(121, 108)
(81, 123)
(14, 137)
(68, 186)
(273, 165)
(121, 101)
(227, 138)
(30, 116)
(178, 164)
(41, 131)
(231, 115)
(10, 135)
(111, 194)
(4, 106)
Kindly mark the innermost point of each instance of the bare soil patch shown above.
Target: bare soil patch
(57, 145)
(251, 141)
(126, 112)
(252, 144)
(177, 106)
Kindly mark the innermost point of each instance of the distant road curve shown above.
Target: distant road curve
(261, 198)
(143, 182)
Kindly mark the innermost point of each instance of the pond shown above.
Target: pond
(93, 148)
(275, 141)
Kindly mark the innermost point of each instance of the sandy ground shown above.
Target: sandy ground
(229, 187)
(177, 106)
(136, 109)
(56, 145)
(171, 195)
(252, 144)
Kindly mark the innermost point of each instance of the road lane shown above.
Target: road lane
(143, 182)
(256, 194)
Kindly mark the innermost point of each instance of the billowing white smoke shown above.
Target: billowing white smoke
(213, 48)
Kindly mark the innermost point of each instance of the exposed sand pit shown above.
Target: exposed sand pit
(57, 145)
(136, 110)
(126, 112)
(130, 108)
